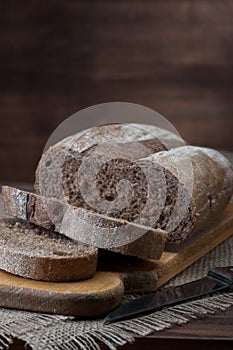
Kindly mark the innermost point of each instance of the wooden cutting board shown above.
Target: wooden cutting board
(116, 275)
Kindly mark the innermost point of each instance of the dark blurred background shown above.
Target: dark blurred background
(57, 57)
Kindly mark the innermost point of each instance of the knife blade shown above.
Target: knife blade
(219, 279)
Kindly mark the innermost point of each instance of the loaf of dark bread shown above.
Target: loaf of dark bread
(49, 213)
(127, 174)
(197, 185)
(33, 252)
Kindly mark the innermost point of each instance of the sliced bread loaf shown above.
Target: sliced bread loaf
(33, 252)
(50, 213)
(196, 184)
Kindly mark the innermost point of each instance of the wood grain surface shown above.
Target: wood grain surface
(58, 57)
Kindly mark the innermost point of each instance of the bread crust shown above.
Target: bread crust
(73, 263)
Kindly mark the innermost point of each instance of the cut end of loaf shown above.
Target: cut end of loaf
(30, 251)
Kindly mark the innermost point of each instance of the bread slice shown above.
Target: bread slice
(33, 252)
(50, 213)
(56, 173)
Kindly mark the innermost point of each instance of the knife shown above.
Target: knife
(219, 279)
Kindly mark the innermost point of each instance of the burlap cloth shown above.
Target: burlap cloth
(42, 331)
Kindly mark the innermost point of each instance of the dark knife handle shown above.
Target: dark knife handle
(223, 275)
